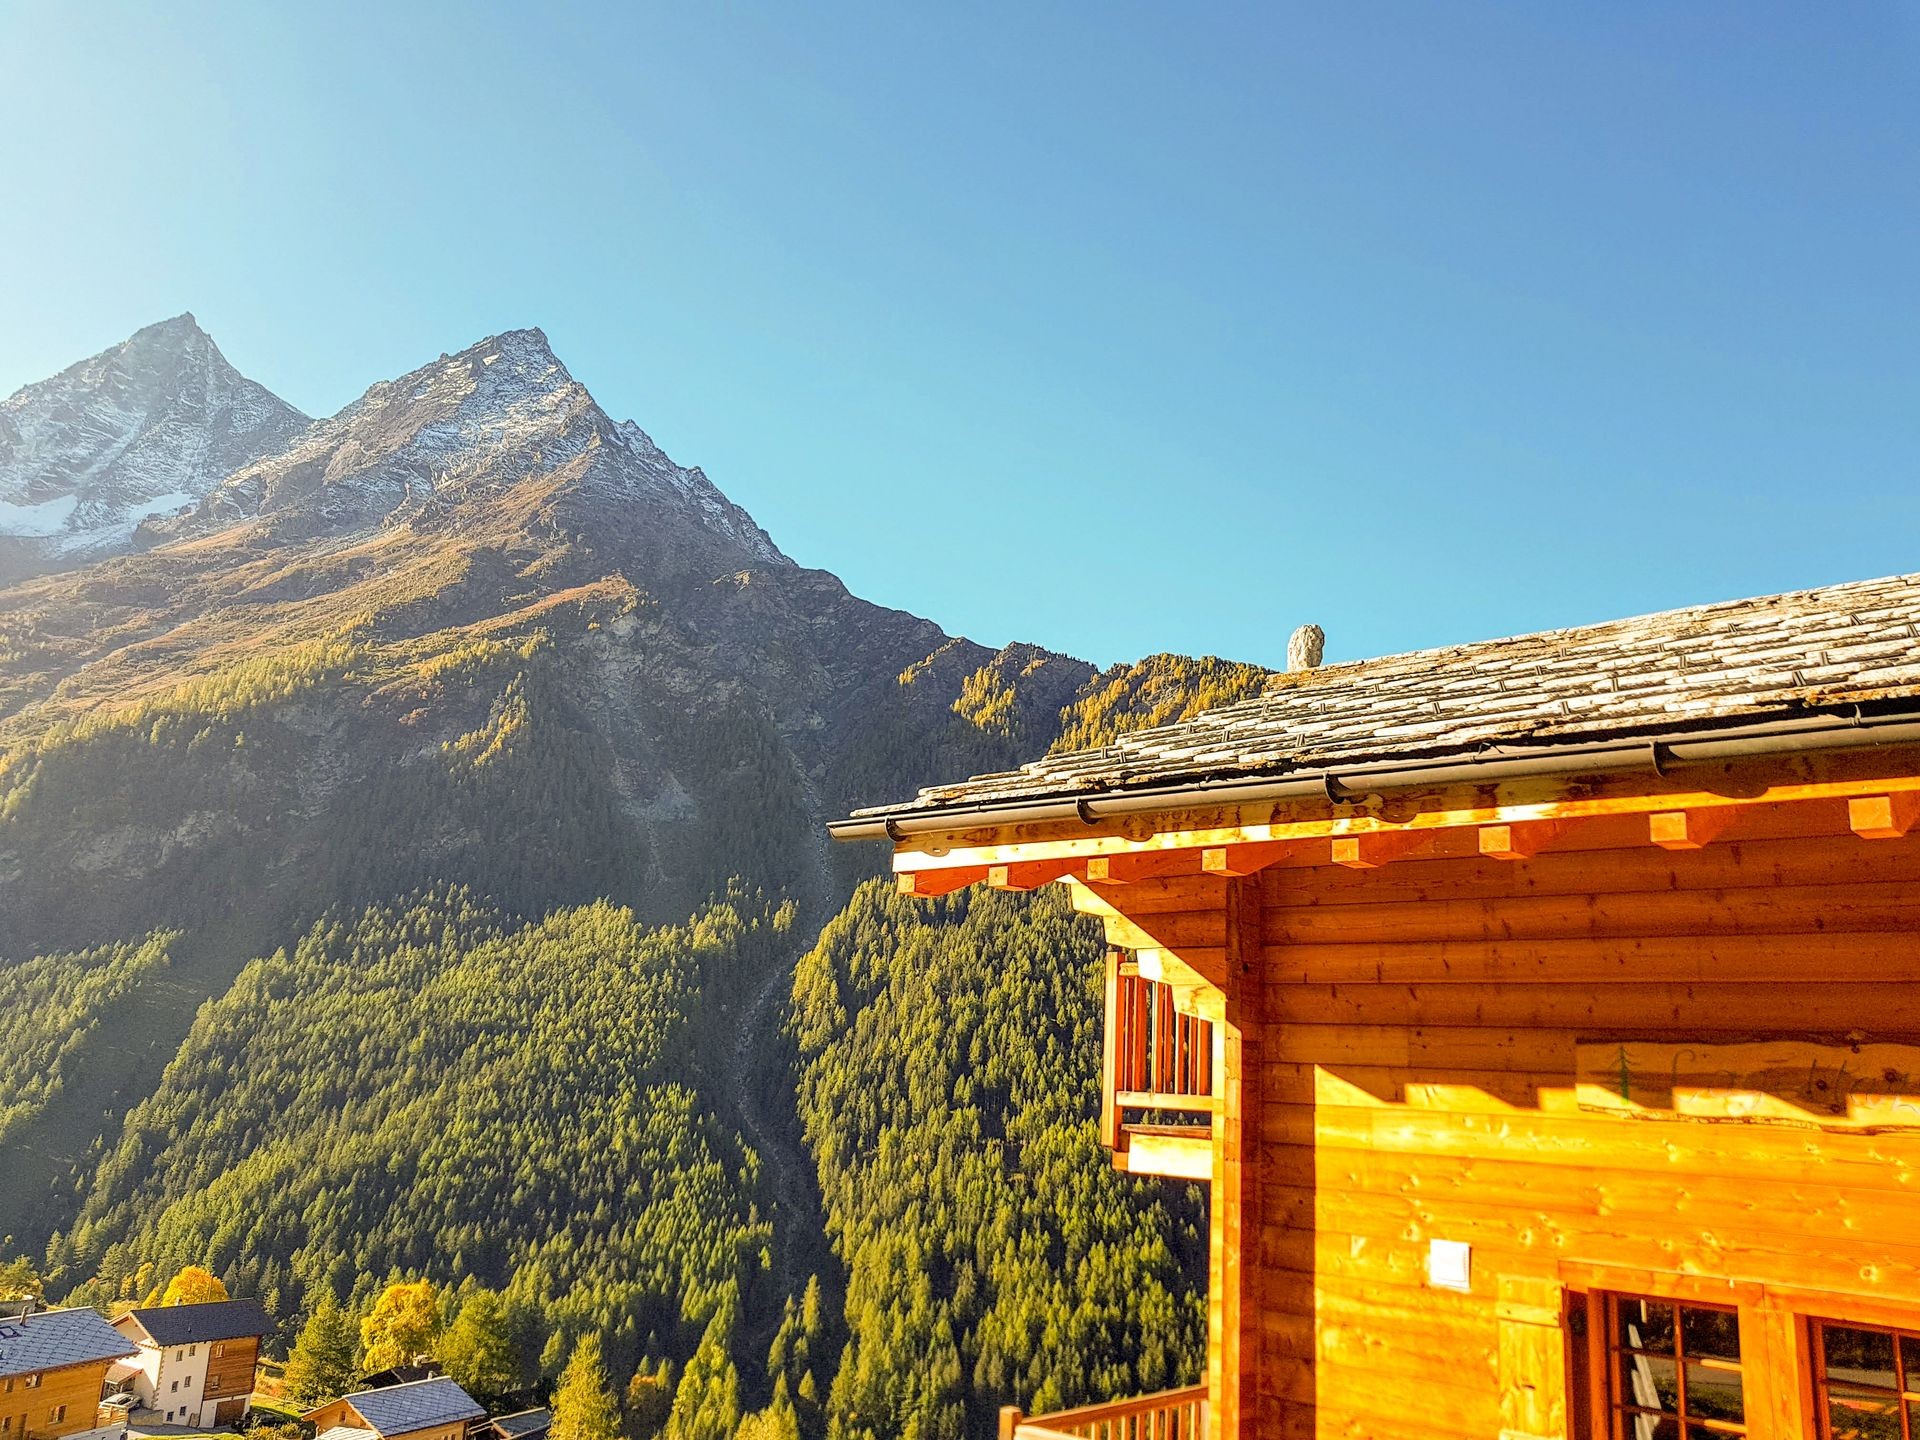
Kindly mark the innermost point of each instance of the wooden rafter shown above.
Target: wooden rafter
(1231, 843)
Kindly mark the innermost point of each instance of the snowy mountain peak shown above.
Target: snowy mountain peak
(144, 428)
(445, 443)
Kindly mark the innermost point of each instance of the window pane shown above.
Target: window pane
(1701, 1432)
(1710, 1334)
(1910, 1354)
(1653, 1427)
(1714, 1395)
(1649, 1381)
(1862, 1356)
(1857, 1414)
(1646, 1325)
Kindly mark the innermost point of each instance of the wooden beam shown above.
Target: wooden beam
(925, 884)
(1771, 781)
(1370, 851)
(1029, 874)
(1519, 839)
(1148, 865)
(1687, 829)
(1239, 860)
(1883, 817)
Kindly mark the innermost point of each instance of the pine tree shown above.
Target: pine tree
(404, 1323)
(321, 1367)
(707, 1404)
(584, 1407)
(779, 1421)
(478, 1348)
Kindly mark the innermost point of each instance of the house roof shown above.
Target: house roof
(196, 1324)
(398, 1409)
(49, 1339)
(522, 1423)
(1845, 649)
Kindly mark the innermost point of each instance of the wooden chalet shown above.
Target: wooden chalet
(53, 1372)
(194, 1364)
(435, 1408)
(1543, 1016)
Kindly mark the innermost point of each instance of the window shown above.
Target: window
(219, 1348)
(1675, 1370)
(56, 1414)
(32, 1382)
(1869, 1382)
(173, 1388)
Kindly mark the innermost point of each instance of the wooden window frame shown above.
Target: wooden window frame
(1620, 1408)
(1906, 1389)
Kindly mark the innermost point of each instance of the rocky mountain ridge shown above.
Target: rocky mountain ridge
(469, 632)
(142, 430)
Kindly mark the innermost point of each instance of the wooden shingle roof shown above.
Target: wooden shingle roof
(1775, 657)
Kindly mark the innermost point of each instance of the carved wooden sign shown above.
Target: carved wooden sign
(1836, 1086)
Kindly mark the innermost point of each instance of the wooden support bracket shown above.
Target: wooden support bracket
(1370, 851)
(1687, 829)
(1519, 839)
(1029, 874)
(924, 884)
(1142, 865)
(1883, 817)
(1239, 860)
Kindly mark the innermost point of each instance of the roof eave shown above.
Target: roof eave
(1647, 748)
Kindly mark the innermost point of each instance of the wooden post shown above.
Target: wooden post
(1010, 1418)
(1532, 1358)
(1110, 1056)
(1233, 1348)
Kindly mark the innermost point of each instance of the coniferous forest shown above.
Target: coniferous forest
(429, 930)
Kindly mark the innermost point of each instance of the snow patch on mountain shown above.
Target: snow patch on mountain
(468, 426)
(145, 428)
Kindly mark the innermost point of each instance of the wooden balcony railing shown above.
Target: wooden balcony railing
(1170, 1415)
(1157, 1060)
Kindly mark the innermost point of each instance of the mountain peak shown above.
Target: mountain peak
(142, 429)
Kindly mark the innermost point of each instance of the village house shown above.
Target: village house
(521, 1425)
(194, 1364)
(53, 1373)
(432, 1409)
(1541, 1015)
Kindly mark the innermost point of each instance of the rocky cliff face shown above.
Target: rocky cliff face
(140, 431)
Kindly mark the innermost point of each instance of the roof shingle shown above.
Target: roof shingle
(1777, 656)
(49, 1339)
(196, 1324)
(399, 1409)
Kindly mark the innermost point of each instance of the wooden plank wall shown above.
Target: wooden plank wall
(230, 1372)
(77, 1387)
(1415, 1029)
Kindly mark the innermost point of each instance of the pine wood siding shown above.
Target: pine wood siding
(1408, 1036)
(230, 1368)
(31, 1411)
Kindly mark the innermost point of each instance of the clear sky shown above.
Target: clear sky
(1115, 327)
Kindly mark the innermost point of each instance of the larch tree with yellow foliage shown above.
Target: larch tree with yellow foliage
(192, 1286)
(403, 1324)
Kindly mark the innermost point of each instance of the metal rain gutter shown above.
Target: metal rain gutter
(1335, 784)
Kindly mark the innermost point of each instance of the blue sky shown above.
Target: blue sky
(1116, 327)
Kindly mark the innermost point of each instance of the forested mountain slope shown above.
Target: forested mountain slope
(949, 1087)
(416, 715)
